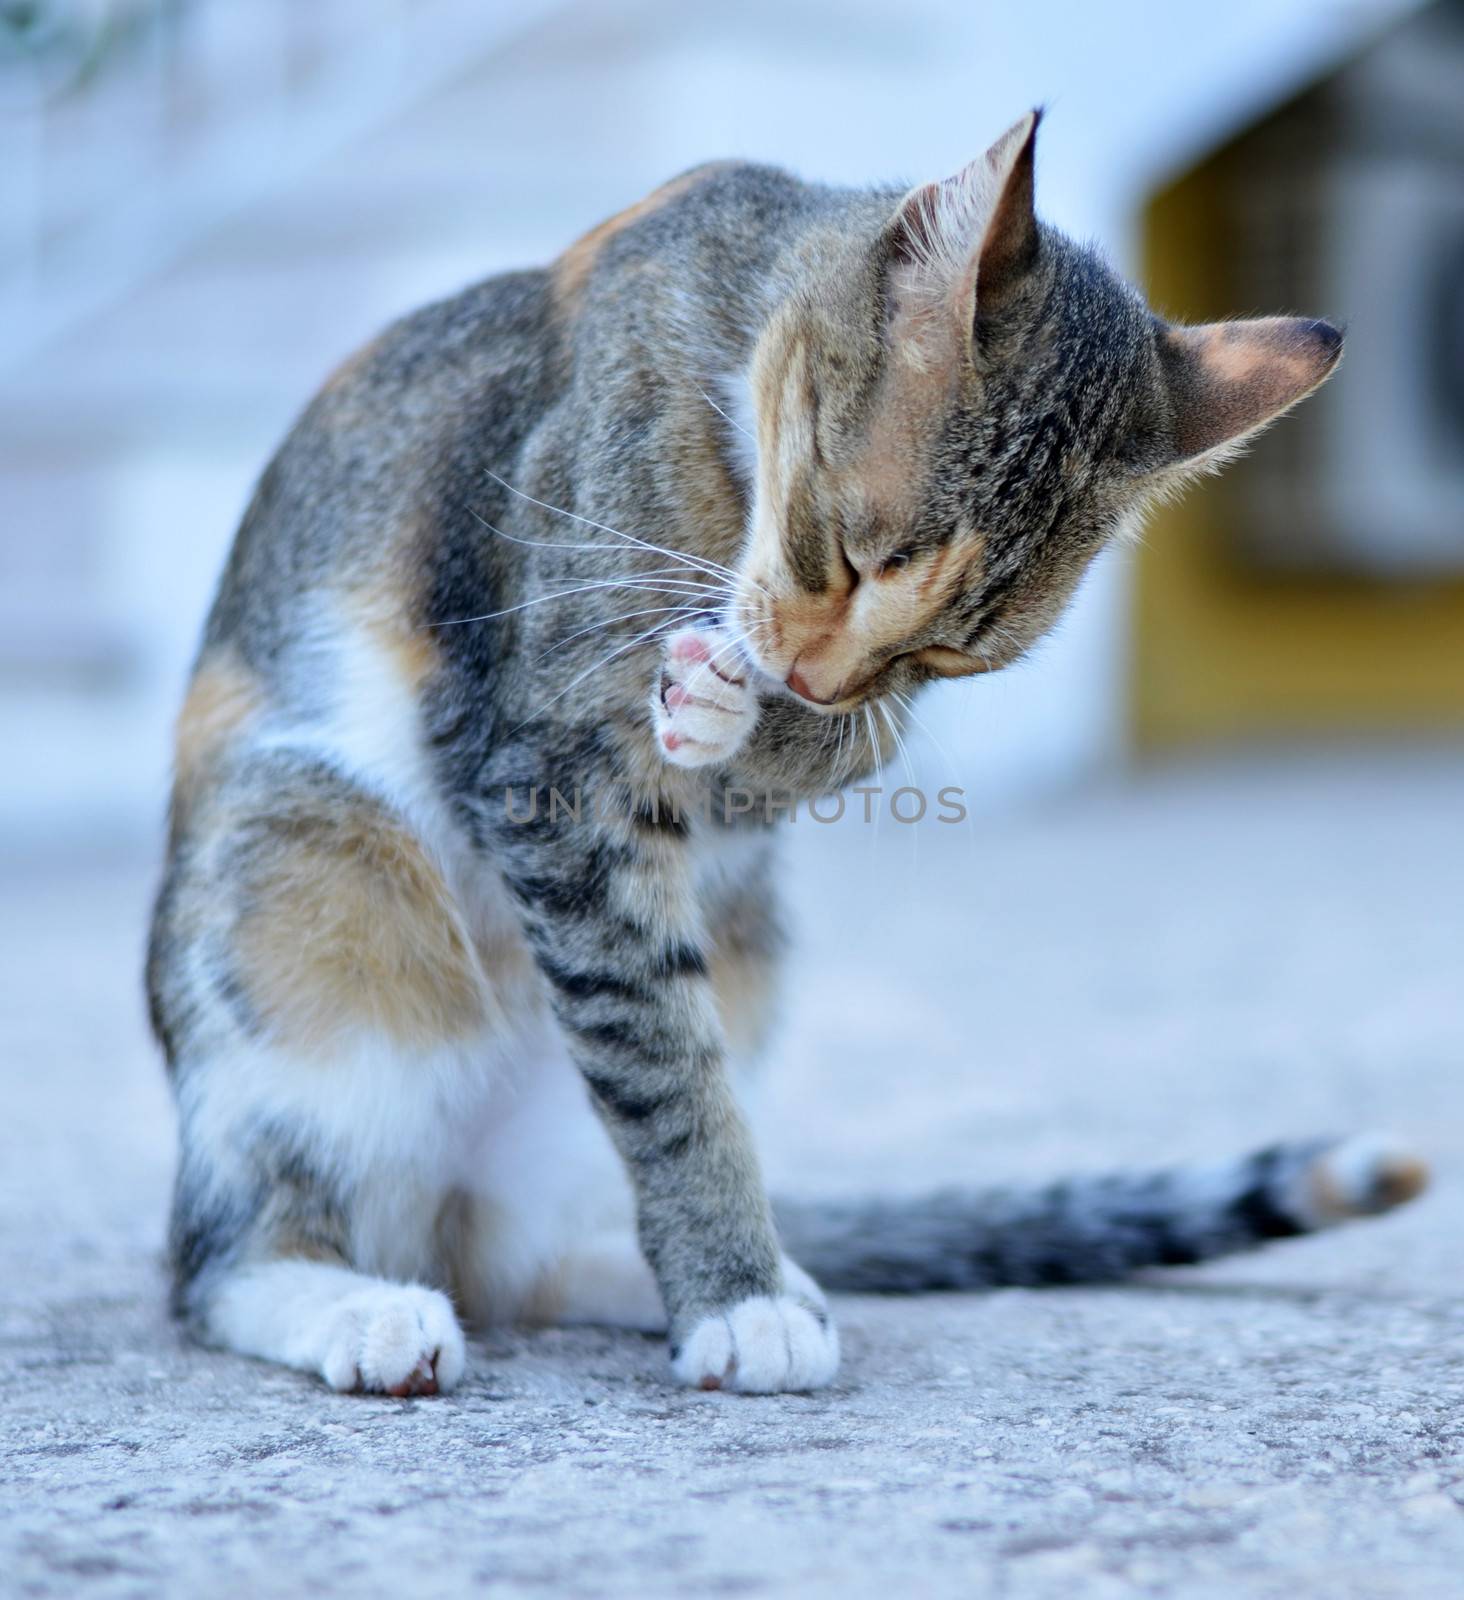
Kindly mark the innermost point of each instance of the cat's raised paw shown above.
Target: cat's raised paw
(703, 705)
(769, 1344)
(396, 1339)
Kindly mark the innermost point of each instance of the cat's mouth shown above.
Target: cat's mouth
(758, 633)
(792, 682)
(844, 700)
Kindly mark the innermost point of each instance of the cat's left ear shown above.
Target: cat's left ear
(967, 244)
(1227, 380)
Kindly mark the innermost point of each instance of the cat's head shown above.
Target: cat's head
(951, 424)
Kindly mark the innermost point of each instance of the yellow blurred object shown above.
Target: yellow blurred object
(1224, 646)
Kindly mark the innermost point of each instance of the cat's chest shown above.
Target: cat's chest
(726, 859)
(723, 862)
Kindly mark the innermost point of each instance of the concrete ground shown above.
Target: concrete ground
(1188, 965)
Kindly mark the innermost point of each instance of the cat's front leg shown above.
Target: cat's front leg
(610, 908)
(703, 703)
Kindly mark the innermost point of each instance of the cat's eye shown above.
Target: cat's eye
(897, 561)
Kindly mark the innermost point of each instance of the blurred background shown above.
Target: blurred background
(205, 204)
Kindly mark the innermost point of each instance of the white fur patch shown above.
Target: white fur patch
(734, 396)
(369, 728)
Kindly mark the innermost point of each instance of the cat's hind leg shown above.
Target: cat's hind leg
(265, 1239)
(321, 1012)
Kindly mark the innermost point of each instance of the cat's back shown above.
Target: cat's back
(331, 558)
(353, 484)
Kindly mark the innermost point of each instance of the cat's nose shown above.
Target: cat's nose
(799, 685)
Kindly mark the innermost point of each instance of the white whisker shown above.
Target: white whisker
(924, 727)
(900, 746)
(669, 586)
(575, 548)
(704, 563)
(909, 772)
(879, 766)
(874, 741)
(998, 632)
(731, 421)
(613, 549)
(604, 661)
(689, 610)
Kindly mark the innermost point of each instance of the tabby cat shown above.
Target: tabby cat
(662, 524)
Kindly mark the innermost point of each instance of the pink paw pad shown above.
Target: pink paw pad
(690, 647)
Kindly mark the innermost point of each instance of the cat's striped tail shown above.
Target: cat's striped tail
(1099, 1229)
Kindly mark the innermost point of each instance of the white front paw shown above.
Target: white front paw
(769, 1344)
(397, 1339)
(703, 704)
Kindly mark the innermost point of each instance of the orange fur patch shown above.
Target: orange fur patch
(412, 650)
(1400, 1180)
(351, 927)
(222, 699)
(573, 268)
(945, 572)
(386, 610)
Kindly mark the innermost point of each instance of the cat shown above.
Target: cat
(697, 509)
